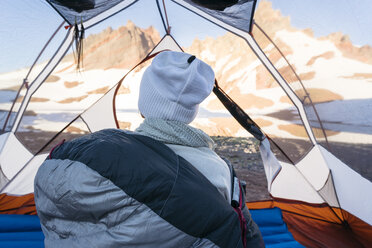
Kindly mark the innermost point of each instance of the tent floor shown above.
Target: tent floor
(25, 231)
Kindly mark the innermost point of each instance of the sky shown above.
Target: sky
(351, 17)
(27, 25)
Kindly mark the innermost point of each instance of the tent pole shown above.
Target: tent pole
(25, 80)
(62, 50)
(162, 18)
(43, 49)
(14, 101)
(270, 67)
(299, 79)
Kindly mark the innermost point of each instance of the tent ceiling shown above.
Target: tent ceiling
(77, 5)
(75, 11)
(216, 5)
(238, 15)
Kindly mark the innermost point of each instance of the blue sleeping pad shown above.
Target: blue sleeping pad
(274, 230)
(18, 231)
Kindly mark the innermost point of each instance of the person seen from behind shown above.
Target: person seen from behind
(171, 90)
(159, 186)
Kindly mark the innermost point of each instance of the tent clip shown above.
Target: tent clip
(79, 37)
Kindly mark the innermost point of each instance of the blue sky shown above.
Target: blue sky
(351, 17)
(26, 25)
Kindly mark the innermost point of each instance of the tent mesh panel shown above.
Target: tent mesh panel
(8, 117)
(26, 40)
(42, 142)
(277, 52)
(238, 15)
(110, 49)
(333, 120)
(81, 11)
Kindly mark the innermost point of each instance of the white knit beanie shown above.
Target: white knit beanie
(173, 86)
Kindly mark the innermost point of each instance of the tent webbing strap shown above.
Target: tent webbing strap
(243, 118)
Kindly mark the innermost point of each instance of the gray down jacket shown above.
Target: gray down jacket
(118, 189)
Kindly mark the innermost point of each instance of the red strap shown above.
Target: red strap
(51, 151)
(243, 221)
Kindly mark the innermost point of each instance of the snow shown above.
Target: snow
(207, 55)
(15, 78)
(221, 63)
(230, 65)
(247, 84)
(305, 47)
(353, 138)
(331, 74)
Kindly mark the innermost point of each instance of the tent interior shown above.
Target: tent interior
(69, 68)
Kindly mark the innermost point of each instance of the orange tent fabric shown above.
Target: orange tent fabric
(17, 204)
(320, 225)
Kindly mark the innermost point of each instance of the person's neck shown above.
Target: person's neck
(174, 132)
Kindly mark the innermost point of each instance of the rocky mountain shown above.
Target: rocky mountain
(121, 48)
(272, 21)
(342, 42)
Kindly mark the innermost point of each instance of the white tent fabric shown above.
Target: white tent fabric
(353, 191)
(13, 156)
(24, 182)
(314, 168)
(303, 181)
(107, 119)
(271, 164)
(286, 186)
